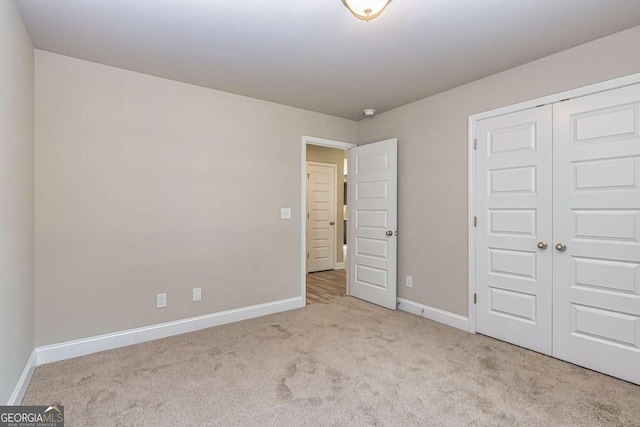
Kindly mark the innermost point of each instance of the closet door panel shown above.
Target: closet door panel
(596, 204)
(514, 214)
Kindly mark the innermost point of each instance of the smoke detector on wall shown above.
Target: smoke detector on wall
(369, 112)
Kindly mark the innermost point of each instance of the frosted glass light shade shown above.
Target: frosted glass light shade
(366, 10)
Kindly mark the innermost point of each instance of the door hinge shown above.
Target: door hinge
(475, 298)
(307, 216)
(307, 255)
(308, 176)
(475, 221)
(475, 144)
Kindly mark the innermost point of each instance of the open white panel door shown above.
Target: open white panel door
(373, 186)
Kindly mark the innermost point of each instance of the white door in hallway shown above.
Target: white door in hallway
(596, 174)
(321, 216)
(373, 170)
(514, 195)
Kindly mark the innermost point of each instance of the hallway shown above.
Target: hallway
(324, 286)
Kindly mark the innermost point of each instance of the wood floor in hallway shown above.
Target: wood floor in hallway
(324, 286)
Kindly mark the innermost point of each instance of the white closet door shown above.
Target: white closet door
(596, 206)
(514, 195)
(321, 216)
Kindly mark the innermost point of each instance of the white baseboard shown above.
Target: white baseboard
(339, 266)
(23, 382)
(82, 347)
(435, 314)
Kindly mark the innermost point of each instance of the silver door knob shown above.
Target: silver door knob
(332, 223)
(389, 233)
(543, 245)
(561, 247)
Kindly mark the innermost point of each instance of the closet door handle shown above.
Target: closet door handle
(561, 247)
(542, 245)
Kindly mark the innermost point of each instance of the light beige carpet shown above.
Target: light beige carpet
(337, 364)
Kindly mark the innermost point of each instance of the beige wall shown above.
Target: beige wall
(432, 162)
(16, 198)
(146, 185)
(316, 153)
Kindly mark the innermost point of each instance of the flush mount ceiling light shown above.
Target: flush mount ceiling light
(366, 10)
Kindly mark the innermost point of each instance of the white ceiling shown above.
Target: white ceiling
(314, 54)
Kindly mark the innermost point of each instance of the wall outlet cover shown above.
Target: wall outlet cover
(197, 294)
(408, 282)
(161, 300)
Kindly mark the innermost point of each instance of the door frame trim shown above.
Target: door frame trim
(471, 163)
(312, 140)
(334, 167)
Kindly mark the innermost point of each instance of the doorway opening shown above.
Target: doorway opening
(324, 219)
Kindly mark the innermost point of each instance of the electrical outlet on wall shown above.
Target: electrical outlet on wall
(161, 300)
(408, 282)
(197, 294)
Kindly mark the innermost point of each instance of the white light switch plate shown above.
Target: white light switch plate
(285, 213)
(197, 294)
